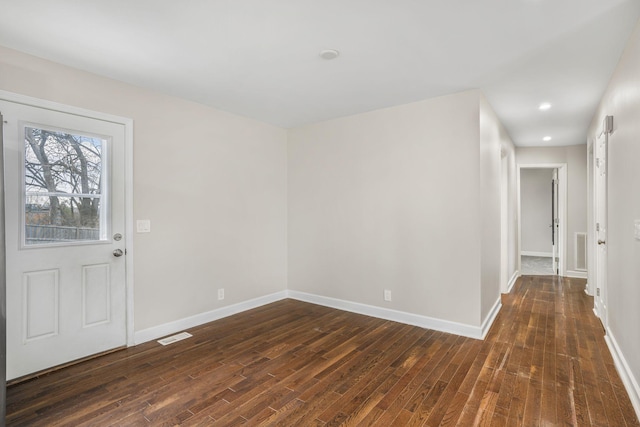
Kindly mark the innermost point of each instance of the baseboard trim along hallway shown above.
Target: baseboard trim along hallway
(478, 332)
(630, 383)
(169, 328)
(447, 326)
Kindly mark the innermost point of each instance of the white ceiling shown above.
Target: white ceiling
(260, 58)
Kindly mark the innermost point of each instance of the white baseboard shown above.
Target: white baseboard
(202, 318)
(512, 281)
(629, 381)
(488, 321)
(534, 253)
(399, 316)
(477, 332)
(576, 274)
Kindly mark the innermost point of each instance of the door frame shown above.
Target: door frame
(128, 172)
(3, 286)
(600, 261)
(590, 287)
(504, 221)
(555, 214)
(562, 211)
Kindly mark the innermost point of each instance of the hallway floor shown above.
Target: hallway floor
(536, 265)
(290, 363)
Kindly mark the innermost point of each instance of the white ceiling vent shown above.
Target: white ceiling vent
(175, 338)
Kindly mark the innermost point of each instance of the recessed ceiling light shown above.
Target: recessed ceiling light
(329, 54)
(546, 138)
(544, 106)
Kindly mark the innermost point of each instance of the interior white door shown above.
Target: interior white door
(555, 222)
(600, 299)
(65, 221)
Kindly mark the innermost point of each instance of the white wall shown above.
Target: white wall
(406, 199)
(535, 200)
(212, 184)
(575, 156)
(494, 142)
(389, 200)
(622, 101)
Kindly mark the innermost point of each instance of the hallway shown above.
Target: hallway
(544, 362)
(565, 369)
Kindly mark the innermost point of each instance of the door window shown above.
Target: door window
(64, 201)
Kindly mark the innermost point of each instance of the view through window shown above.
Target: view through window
(63, 176)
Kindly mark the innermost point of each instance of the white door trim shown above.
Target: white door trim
(504, 222)
(600, 302)
(128, 125)
(591, 218)
(562, 210)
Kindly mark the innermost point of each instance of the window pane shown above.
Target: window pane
(63, 185)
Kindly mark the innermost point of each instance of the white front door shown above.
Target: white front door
(601, 228)
(65, 222)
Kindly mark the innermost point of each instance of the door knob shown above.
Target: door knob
(118, 253)
(601, 242)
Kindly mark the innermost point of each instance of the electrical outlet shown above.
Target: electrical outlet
(221, 294)
(387, 295)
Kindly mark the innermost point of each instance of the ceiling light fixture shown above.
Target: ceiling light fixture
(544, 106)
(546, 138)
(329, 54)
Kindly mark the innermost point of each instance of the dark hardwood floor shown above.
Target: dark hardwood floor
(290, 363)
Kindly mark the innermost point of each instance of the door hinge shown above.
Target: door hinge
(597, 291)
(597, 226)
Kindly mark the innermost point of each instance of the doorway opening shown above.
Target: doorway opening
(542, 214)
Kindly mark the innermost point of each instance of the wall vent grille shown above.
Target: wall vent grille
(175, 338)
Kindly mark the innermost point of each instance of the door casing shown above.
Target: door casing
(600, 225)
(562, 211)
(554, 219)
(504, 222)
(3, 299)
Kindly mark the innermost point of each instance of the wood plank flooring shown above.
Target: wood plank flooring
(290, 363)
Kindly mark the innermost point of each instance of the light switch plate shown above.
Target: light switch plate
(143, 226)
(636, 229)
